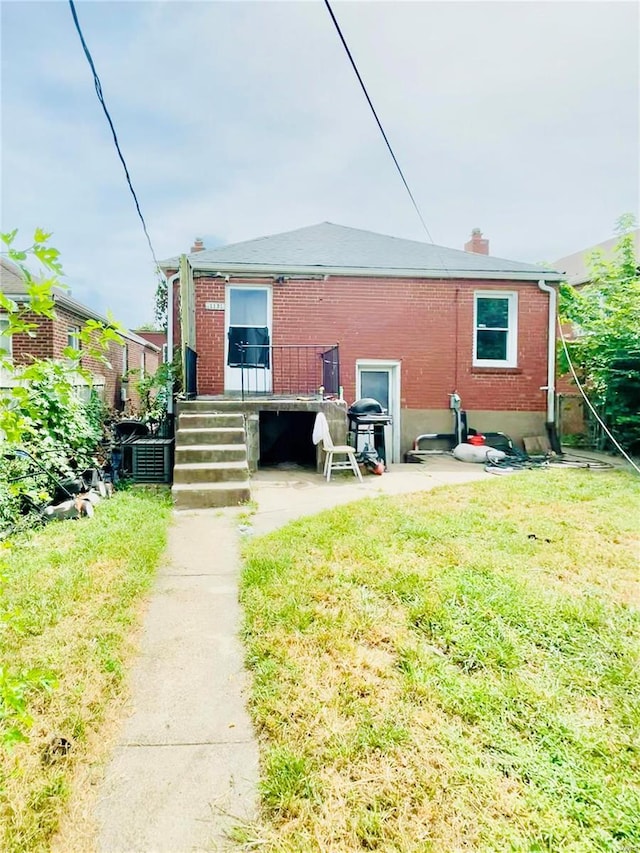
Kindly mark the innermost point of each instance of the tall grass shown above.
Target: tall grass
(70, 604)
(453, 670)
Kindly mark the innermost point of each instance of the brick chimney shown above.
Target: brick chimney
(198, 245)
(477, 243)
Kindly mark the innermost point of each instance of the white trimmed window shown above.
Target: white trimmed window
(125, 359)
(6, 353)
(6, 348)
(495, 329)
(73, 337)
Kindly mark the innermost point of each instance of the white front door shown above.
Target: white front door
(381, 381)
(247, 356)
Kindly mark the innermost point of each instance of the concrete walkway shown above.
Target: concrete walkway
(186, 765)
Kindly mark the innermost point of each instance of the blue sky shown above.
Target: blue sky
(239, 119)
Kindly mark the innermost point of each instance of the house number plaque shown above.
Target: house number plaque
(214, 306)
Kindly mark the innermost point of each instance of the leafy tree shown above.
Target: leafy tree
(149, 327)
(40, 411)
(162, 302)
(153, 392)
(605, 350)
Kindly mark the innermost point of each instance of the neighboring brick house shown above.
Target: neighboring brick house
(157, 338)
(54, 335)
(414, 323)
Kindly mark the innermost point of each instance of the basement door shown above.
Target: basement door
(381, 380)
(247, 356)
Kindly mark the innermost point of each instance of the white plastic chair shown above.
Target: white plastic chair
(330, 464)
(321, 433)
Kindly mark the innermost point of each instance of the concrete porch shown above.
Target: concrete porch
(220, 441)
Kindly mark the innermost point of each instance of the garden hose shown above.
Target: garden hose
(519, 461)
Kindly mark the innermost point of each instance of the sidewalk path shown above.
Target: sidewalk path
(186, 765)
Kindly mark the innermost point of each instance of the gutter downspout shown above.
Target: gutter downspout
(170, 308)
(551, 362)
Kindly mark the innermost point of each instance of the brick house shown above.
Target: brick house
(55, 334)
(154, 336)
(413, 322)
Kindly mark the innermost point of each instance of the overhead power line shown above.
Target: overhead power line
(98, 86)
(375, 115)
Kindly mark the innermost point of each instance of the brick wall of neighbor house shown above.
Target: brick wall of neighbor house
(152, 361)
(26, 348)
(159, 339)
(108, 376)
(426, 325)
(52, 338)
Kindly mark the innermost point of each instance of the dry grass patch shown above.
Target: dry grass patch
(70, 605)
(453, 670)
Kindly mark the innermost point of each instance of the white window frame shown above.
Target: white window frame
(125, 359)
(82, 389)
(512, 331)
(73, 338)
(7, 379)
(8, 338)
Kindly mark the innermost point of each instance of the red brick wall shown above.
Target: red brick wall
(210, 331)
(159, 339)
(26, 348)
(425, 324)
(51, 339)
(152, 361)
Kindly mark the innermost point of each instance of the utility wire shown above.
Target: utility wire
(424, 225)
(98, 86)
(588, 401)
(375, 115)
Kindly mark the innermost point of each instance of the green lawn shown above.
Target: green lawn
(69, 606)
(452, 670)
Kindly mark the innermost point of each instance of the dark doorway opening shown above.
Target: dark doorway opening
(285, 437)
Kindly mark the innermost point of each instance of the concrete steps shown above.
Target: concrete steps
(189, 453)
(209, 435)
(209, 495)
(196, 420)
(210, 472)
(211, 467)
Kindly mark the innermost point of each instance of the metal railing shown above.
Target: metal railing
(288, 370)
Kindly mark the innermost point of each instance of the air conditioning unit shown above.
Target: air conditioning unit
(152, 460)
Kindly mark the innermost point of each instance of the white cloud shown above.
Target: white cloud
(243, 119)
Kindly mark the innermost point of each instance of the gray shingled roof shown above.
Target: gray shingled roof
(10, 277)
(328, 248)
(13, 285)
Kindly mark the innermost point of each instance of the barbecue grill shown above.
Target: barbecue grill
(366, 416)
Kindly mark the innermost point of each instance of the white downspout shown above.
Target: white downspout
(551, 354)
(170, 306)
